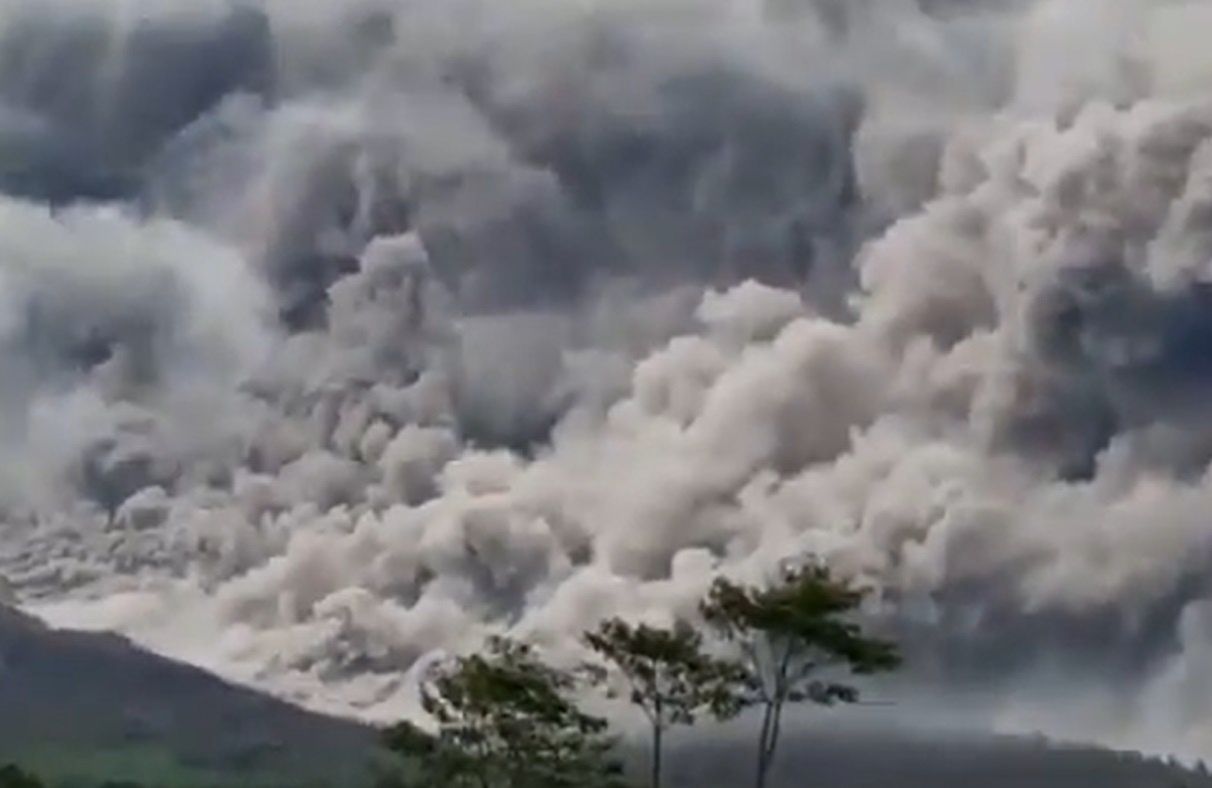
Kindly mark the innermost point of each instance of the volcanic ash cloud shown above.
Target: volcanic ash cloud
(417, 322)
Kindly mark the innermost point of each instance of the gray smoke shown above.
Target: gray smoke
(336, 336)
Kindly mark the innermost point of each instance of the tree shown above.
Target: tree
(504, 719)
(670, 677)
(13, 777)
(788, 634)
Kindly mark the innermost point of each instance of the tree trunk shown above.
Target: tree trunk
(774, 716)
(762, 744)
(656, 756)
(772, 740)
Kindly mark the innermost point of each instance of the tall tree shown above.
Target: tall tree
(789, 634)
(505, 719)
(670, 678)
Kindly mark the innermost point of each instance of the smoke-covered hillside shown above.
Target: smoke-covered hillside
(84, 708)
(335, 335)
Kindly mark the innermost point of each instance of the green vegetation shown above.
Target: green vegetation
(12, 776)
(505, 719)
(137, 765)
(78, 709)
(87, 711)
(502, 717)
(671, 680)
(788, 635)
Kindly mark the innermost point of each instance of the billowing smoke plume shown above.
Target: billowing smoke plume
(336, 335)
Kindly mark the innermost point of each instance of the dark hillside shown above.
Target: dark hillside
(103, 701)
(77, 707)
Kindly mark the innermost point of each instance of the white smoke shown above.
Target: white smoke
(370, 330)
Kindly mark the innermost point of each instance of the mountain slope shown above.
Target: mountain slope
(78, 705)
(76, 702)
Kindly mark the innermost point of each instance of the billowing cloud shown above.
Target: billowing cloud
(332, 338)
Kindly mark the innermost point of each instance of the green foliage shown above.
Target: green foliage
(504, 719)
(671, 679)
(13, 777)
(81, 767)
(788, 634)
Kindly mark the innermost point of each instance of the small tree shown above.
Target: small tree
(787, 635)
(13, 777)
(504, 719)
(671, 680)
